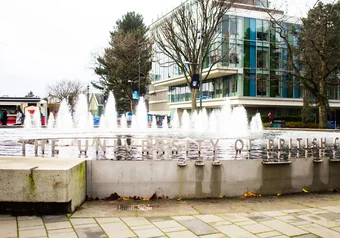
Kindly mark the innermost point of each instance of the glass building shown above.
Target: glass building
(253, 74)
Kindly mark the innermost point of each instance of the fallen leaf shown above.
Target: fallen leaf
(220, 196)
(179, 199)
(126, 198)
(279, 194)
(305, 190)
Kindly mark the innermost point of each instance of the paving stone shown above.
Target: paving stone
(181, 234)
(320, 220)
(155, 219)
(117, 229)
(234, 217)
(217, 235)
(209, 218)
(220, 223)
(26, 228)
(301, 213)
(108, 220)
(58, 225)
(198, 227)
(64, 235)
(30, 222)
(86, 225)
(257, 228)
(284, 228)
(269, 234)
(32, 233)
(52, 219)
(274, 213)
(308, 236)
(8, 228)
(235, 231)
(243, 223)
(260, 218)
(320, 230)
(144, 227)
(135, 221)
(300, 223)
(289, 219)
(312, 210)
(292, 211)
(82, 221)
(183, 218)
(91, 232)
(5, 217)
(167, 224)
(153, 232)
(321, 211)
(331, 216)
(24, 218)
(335, 209)
(173, 229)
(66, 230)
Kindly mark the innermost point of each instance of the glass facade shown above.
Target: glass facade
(252, 46)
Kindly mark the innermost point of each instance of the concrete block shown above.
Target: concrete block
(42, 183)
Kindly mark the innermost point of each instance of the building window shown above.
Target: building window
(262, 30)
(261, 85)
(234, 58)
(262, 57)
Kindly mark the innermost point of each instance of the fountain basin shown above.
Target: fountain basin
(232, 178)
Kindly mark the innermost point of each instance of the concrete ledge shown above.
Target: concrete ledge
(29, 182)
(231, 179)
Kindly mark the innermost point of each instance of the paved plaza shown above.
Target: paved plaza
(300, 215)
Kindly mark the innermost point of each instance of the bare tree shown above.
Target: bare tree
(66, 89)
(190, 35)
(314, 58)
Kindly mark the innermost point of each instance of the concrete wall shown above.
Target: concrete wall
(232, 178)
(51, 181)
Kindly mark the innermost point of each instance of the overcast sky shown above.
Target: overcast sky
(45, 41)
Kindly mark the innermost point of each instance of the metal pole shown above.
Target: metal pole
(200, 70)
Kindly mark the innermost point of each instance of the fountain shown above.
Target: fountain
(226, 124)
(195, 155)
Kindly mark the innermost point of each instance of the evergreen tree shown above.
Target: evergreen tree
(125, 64)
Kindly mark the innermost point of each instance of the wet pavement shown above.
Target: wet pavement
(300, 215)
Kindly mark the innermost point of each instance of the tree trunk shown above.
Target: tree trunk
(131, 105)
(323, 115)
(323, 105)
(193, 99)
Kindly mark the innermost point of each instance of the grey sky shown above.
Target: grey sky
(44, 41)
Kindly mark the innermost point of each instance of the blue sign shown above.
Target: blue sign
(135, 94)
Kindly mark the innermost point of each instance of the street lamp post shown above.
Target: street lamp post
(200, 67)
(200, 76)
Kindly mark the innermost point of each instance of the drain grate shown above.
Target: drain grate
(141, 207)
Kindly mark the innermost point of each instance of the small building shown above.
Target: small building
(26, 104)
(96, 104)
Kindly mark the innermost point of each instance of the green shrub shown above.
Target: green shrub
(301, 125)
(294, 124)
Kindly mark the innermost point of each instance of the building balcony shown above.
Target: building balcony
(216, 72)
(250, 102)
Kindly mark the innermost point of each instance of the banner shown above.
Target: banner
(135, 94)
